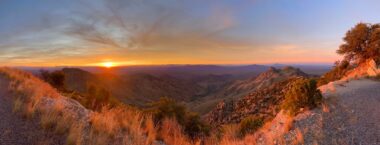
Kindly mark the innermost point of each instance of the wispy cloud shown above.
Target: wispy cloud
(171, 31)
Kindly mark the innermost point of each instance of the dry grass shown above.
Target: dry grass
(75, 134)
(171, 132)
(17, 105)
(121, 125)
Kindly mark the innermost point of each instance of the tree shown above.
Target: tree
(361, 43)
(55, 79)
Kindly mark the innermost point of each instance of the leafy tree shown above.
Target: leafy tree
(361, 43)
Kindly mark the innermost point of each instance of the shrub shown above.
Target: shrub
(97, 97)
(249, 125)
(55, 79)
(194, 127)
(338, 71)
(303, 93)
(167, 108)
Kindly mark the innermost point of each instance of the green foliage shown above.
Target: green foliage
(194, 127)
(190, 121)
(361, 43)
(168, 108)
(95, 98)
(249, 125)
(303, 93)
(336, 73)
(55, 79)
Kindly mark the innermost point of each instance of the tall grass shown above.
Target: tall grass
(118, 125)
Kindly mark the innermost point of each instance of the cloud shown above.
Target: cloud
(151, 25)
(85, 32)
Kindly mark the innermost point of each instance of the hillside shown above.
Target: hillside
(65, 121)
(263, 103)
(273, 75)
(240, 88)
(346, 117)
(35, 113)
(348, 114)
(17, 130)
(135, 89)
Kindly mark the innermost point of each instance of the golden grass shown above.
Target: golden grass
(75, 134)
(122, 125)
(171, 133)
(17, 105)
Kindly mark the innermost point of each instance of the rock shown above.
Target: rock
(261, 103)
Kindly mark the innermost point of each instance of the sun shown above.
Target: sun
(108, 64)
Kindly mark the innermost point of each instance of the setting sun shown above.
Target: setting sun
(108, 64)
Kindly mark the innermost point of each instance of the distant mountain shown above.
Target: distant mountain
(141, 88)
(312, 69)
(79, 80)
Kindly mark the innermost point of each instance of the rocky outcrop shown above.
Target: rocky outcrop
(347, 115)
(261, 96)
(273, 75)
(367, 69)
(260, 103)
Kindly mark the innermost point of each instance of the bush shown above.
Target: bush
(167, 108)
(303, 93)
(340, 68)
(194, 127)
(97, 97)
(55, 79)
(249, 125)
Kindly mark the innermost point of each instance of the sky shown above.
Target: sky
(146, 32)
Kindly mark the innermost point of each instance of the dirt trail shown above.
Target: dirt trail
(351, 118)
(16, 130)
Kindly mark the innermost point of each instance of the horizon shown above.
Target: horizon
(155, 65)
(127, 33)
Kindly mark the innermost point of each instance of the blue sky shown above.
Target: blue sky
(127, 32)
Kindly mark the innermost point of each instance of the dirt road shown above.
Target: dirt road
(352, 116)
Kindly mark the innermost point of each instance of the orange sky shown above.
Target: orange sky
(91, 33)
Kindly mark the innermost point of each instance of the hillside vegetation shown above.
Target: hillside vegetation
(118, 125)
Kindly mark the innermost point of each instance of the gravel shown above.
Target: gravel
(352, 117)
